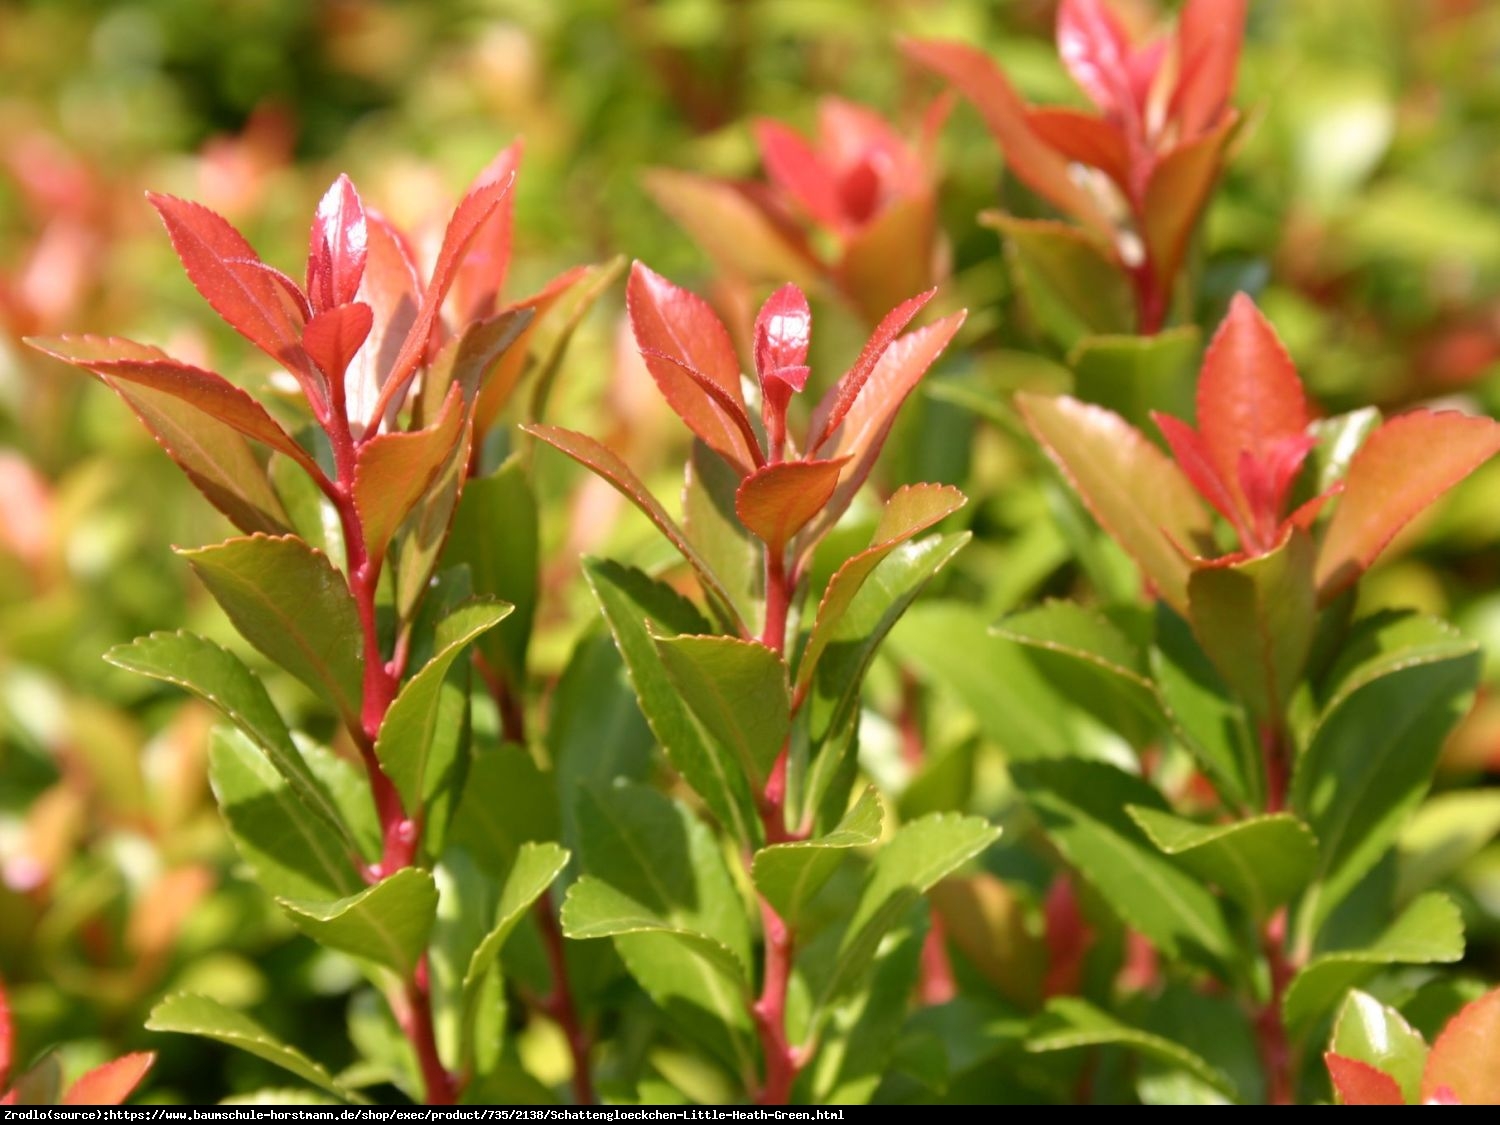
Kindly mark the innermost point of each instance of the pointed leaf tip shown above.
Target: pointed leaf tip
(338, 247)
(1358, 1083)
(783, 331)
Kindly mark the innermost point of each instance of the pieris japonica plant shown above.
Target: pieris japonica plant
(752, 684)
(346, 483)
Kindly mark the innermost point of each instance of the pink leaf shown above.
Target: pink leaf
(1402, 468)
(334, 336)
(669, 321)
(392, 287)
(1209, 36)
(842, 396)
(776, 502)
(783, 332)
(1035, 163)
(468, 218)
(482, 272)
(1359, 1083)
(113, 358)
(338, 247)
(1249, 395)
(798, 170)
(259, 302)
(111, 1082)
(7, 1036)
(1096, 51)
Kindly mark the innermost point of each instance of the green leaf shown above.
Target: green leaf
(1255, 620)
(1134, 375)
(1082, 806)
(418, 545)
(506, 802)
(1070, 1023)
(218, 461)
(219, 678)
(535, 867)
(198, 1015)
(738, 691)
(495, 534)
(1260, 863)
(906, 867)
(713, 527)
(656, 882)
(1442, 835)
(410, 736)
(312, 516)
(1204, 715)
(911, 510)
(788, 876)
(292, 850)
(1401, 685)
(1372, 1033)
(600, 460)
(1132, 488)
(1080, 650)
(287, 600)
(388, 923)
(1073, 288)
(634, 604)
(1429, 931)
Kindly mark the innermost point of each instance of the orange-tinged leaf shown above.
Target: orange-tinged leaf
(776, 502)
(1038, 165)
(481, 271)
(477, 205)
(1135, 492)
(337, 247)
(675, 328)
(989, 921)
(495, 392)
(870, 418)
(797, 169)
(1249, 395)
(912, 509)
(1209, 36)
(737, 229)
(892, 256)
(127, 361)
(262, 304)
(1176, 195)
(1086, 139)
(1402, 468)
(392, 287)
(601, 460)
(394, 471)
(110, 1083)
(1465, 1057)
(335, 335)
(1359, 1083)
(158, 914)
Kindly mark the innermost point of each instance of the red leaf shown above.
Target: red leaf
(115, 359)
(669, 321)
(1192, 458)
(797, 169)
(1465, 1057)
(394, 471)
(1086, 139)
(783, 332)
(601, 460)
(334, 336)
(110, 1083)
(1359, 1083)
(842, 396)
(776, 502)
(1096, 50)
(1209, 36)
(392, 287)
(468, 218)
(869, 420)
(1249, 395)
(482, 272)
(1402, 468)
(338, 247)
(1176, 194)
(262, 304)
(7, 1036)
(720, 397)
(1034, 162)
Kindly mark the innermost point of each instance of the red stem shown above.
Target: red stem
(559, 1005)
(401, 833)
(1270, 1031)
